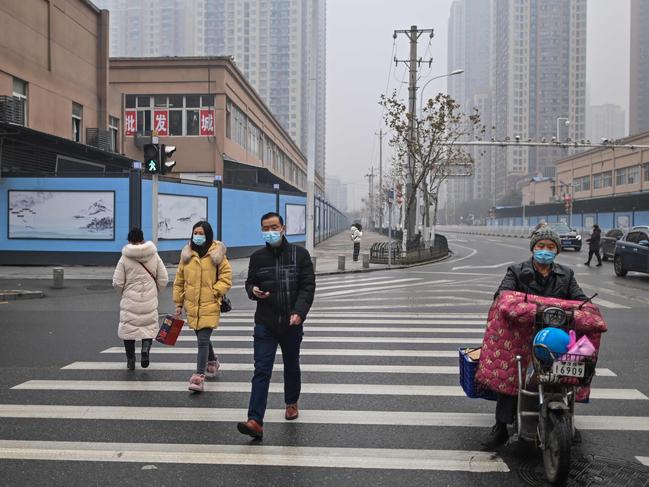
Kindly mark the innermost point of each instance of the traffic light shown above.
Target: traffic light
(166, 152)
(568, 204)
(492, 212)
(152, 158)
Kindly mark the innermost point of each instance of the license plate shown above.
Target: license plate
(566, 242)
(568, 369)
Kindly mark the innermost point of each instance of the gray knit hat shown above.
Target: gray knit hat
(544, 233)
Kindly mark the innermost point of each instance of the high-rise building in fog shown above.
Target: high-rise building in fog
(280, 45)
(639, 80)
(605, 121)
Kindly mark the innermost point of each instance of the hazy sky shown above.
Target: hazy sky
(359, 48)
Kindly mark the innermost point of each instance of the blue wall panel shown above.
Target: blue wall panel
(577, 220)
(605, 221)
(641, 218)
(242, 211)
(119, 185)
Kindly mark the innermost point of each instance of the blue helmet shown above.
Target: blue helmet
(555, 339)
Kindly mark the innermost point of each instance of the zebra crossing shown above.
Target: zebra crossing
(380, 386)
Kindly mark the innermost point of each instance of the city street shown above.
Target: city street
(380, 404)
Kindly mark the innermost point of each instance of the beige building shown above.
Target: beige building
(539, 191)
(206, 109)
(605, 172)
(54, 68)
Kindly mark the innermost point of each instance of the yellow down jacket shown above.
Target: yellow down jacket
(196, 287)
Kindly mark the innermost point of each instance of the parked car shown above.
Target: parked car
(608, 241)
(632, 252)
(570, 239)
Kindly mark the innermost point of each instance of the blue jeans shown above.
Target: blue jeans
(265, 348)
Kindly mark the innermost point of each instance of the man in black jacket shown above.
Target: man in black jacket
(550, 280)
(594, 243)
(282, 281)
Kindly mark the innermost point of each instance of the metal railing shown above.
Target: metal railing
(379, 252)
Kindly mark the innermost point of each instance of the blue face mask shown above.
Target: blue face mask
(272, 238)
(544, 256)
(198, 239)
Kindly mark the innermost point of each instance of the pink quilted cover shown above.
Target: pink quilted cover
(510, 331)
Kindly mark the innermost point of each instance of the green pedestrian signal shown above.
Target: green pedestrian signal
(152, 158)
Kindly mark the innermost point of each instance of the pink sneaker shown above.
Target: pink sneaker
(196, 382)
(212, 367)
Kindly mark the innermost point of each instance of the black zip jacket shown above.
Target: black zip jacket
(287, 273)
(560, 283)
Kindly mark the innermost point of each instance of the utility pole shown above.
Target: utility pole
(370, 177)
(380, 134)
(154, 196)
(413, 35)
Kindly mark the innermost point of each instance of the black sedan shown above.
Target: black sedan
(608, 241)
(632, 252)
(570, 239)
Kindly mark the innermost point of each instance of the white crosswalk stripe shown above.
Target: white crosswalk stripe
(395, 352)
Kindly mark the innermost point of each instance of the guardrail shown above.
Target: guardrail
(379, 252)
(490, 231)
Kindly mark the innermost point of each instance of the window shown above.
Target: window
(192, 122)
(645, 175)
(597, 181)
(113, 128)
(207, 101)
(634, 237)
(77, 121)
(607, 179)
(176, 122)
(144, 122)
(20, 93)
(620, 177)
(633, 174)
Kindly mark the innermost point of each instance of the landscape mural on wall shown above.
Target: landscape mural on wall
(70, 215)
(177, 215)
(295, 219)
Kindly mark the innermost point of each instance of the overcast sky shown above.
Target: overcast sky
(359, 49)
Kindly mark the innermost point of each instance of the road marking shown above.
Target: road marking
(307, 416)
(284, 456)
(318, 352)
(394, 316)
(608, 304)
(307, 388)
(249, 367)
(368, 290)
(468, 302)
(380, 283)
(643, 460)
(342, 368)
(495, 266)
(362, 320)
(335, 339)
(368, 329)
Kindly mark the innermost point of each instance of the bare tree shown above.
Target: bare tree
(425, 150)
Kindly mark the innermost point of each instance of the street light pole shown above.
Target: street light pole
(421, 99)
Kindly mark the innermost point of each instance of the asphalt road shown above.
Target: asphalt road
(380, 403)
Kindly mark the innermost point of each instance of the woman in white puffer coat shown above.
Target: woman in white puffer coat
(139, 276)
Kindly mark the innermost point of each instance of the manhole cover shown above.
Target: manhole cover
(591, 471)
(99, 287)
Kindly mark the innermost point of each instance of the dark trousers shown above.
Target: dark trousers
(266, 344)
(129, 347)
(357, 249)
(205, 349)
(594, 252)
(506, 408)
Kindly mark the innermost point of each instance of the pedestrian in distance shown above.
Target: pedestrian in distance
(356, 235)
(203, 278)
(550, 280)
(594, 243)
(282, 281)
(138, 277)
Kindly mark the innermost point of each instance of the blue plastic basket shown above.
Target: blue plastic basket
(471, 388)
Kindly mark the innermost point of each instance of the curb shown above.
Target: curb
(13, 295)
(394, 267)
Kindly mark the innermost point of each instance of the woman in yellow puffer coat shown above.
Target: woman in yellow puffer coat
(203, 278)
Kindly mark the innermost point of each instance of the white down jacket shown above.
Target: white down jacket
(138, 309)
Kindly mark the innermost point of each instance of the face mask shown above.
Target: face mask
(272, 238)
(544, 256)
(198, 239)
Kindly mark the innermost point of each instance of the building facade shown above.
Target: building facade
(605, 122)
(280, 46)
(639, 62)
(205, 107)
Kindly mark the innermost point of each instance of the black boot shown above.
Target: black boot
(146, 348)
(497, 437)
(129, 347)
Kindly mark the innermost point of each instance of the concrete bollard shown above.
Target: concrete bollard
(314, 260)
(366, 261)
(341, 262)
(57, 277)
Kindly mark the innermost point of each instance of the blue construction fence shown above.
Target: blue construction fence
(85, 221)
(580, 221)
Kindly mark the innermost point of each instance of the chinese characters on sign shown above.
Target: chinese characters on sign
(161, 122)
(130, 125)
(207, 122)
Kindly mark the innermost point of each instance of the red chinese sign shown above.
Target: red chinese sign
(161, 122)
(130, 123)
(207, 122)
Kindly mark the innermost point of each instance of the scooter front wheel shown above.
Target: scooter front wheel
(556, 455)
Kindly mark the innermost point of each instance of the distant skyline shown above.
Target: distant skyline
(358, 61)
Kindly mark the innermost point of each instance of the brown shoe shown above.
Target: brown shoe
(251, 428)
(291, 412)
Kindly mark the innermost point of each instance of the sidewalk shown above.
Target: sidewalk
(326, 254)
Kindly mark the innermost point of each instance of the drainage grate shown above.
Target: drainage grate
(591, 471)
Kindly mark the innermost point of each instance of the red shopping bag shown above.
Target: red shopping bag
(169, 330)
